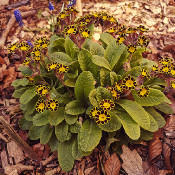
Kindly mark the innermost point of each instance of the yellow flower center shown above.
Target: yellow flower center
(62, 69)
(118, 87)
(129, 83)
(13, 47)
(144, 73)
(41, 106)
(85, 34)
(23, 48)
(173, 85)
(71, 30)
(53, 105)
(154, 68)
(141, 41)
(94, 113)
(165, 69)
(44, 91)
(62, 16)
(132, 49)
(172, 72)
(143, 91)
(37, 53)
(53, 66)
(106, 105)
(112, 19)
(121, 40)
(165, 62)
(102, 117)
(37, 58)
(111, 30)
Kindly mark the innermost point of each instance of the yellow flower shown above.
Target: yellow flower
(45, 44)
(24, 47)
(142, 28)
(120, 39)
(71, 29)
(85, 33)
(165, 69)
(52, 66)
(107, 104)
(111, 30)
(129, 83)
(42, 90)
(102, 117)
(40, 106)
(141, 40)
(31, 79)
(118, 87)
(12, 48)
(131, 48)
(144, 73)
(26, 62)
(172, 84)
(172, 71)
(36, 52)
(143, 92)
(52, 105)
(62, 69)
(93, 112)
(155, 68)
(115, 94)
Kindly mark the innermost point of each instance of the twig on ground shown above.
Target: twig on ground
(19, 141)
(17, 4)
(49, 159)
(10, 25)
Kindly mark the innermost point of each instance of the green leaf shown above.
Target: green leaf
(53, 142)
(46, 133)
(134, 72)
(136, 111)
(83, 86)
(155, 81)
(31, 105)
(164, 107)
(28, 95)
(20, 82)
(75, 151)
(154, 97)
(136, 59)
(61, 131)
(56, 117)
(147, 63)
(65, 157)
(103, 93)
(41, 119)
(86, 64)
(86, 45)
(61, 57)
(69, 47)
(25, 70)
(100, 61)
(146, 135)
(104, 77)
(18, 92)
(92, 97)
(157, 116)
(89, 136)
(97, 49)
(75, 128)
(153, 124)
(106, 38)
(131, 128)
(34, 132)
(28, 117)
(113, 53)
(70, 82)
(112, 125)
(70, 119)
(74, 108)
(24, 124)
(114, 77)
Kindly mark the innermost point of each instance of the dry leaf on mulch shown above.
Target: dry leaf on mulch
(112, 165)
(132, 162)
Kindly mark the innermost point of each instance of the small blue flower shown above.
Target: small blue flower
(73, 2)
(29, 43)
(18, 17)
(51, 7)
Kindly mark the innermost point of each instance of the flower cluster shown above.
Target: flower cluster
(18, 17)
(100, 114)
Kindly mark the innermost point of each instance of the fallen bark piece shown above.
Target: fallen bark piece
(132, 162)
(15, 152)
(4, 159)
(112, 165)
(17, 169)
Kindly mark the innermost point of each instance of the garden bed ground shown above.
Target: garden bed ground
(154, 157)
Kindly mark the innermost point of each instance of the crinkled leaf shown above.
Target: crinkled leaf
(86, 64)
(56, 117)
(41, 119)
(53, 142)
(75, 128)
(106, 38)
(114, 77)
(34, 132)
(146, 135)
(25, 70)
(134, 72)
(155, 81)
(69, 47)
(87, 44)
(153, 124)
(83, 86)
(28, 95)
(31, 105)
(70, 82)
(113, 124)
(101, 61)
(65, 157)
(18, 92)
(24, 124)
(75, 151)
(89, 136)
(20, 82)
(74, 108)
(157, 116)
(154, 97)
(61, 57)
(61, 131)
(136, 111)
(92, 97)
(97, 49)
(70, 119)
(131, 128)
(104, 76)
(46, 133)
(164, 107)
